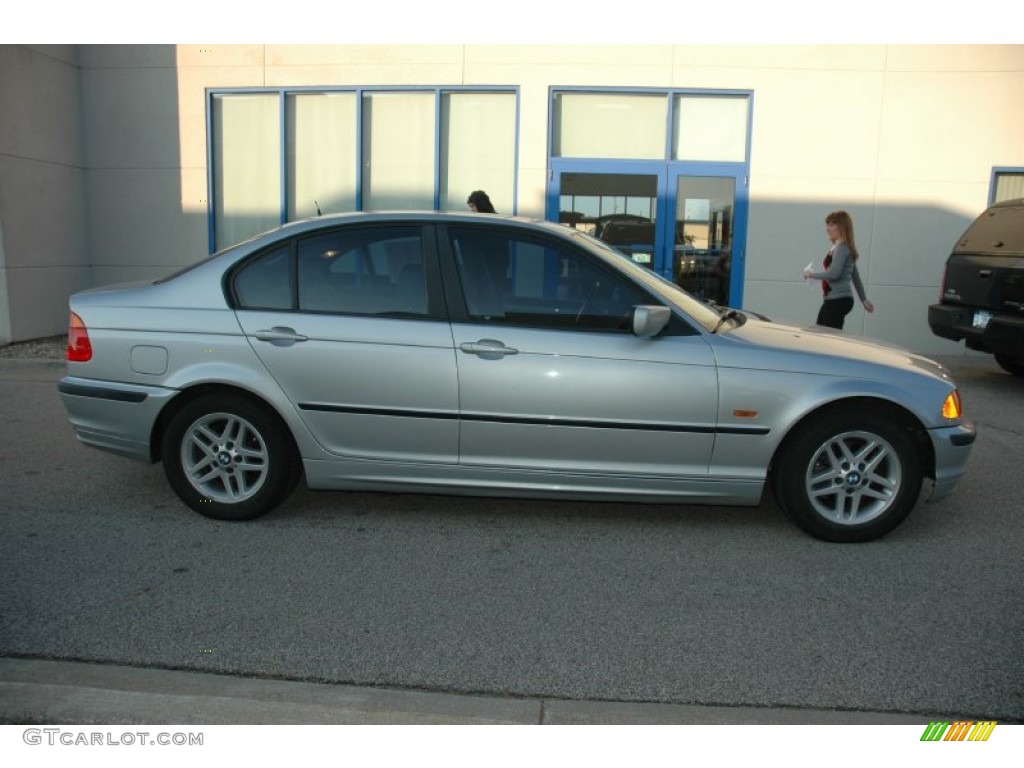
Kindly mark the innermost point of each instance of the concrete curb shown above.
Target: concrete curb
(36, 691)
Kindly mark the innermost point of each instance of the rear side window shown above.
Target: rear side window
(265, 282)
(364, 271)
(1000, 229)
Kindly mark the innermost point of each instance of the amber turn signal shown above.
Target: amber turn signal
(951, 408)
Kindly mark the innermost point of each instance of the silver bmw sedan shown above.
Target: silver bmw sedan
(488, 355)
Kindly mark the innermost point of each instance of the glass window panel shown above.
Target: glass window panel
(398, 151)
(478, 148)
(529, 282)
(246, 166)
(618, 208)
(322, 153)
(710, 128)
(609, 125)
(374, 271)
(265, 283)
(1009, 186)
(702, 259)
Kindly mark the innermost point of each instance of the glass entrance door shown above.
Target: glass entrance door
(704, 222)
(685, 221)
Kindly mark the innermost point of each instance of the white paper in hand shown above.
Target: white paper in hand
(811, 282)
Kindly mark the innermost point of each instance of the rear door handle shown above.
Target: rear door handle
(487, 347)
(985, 273)
(280, 336)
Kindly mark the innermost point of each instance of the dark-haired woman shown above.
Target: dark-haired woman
(479, 202)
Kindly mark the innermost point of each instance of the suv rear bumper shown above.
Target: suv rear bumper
(1004, 334)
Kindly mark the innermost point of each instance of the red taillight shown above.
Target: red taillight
(79, 346)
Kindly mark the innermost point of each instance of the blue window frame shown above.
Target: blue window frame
(1007, 183)
(261, 143)
(619, 184)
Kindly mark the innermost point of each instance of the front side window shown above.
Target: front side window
(512, 279)
(365, 271)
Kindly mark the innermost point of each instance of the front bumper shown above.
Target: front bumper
(952, 446)
(1003, 335)
(114, 416)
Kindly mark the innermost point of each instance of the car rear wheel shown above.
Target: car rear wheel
(229, 458)
(1011, 364)
(848, 476)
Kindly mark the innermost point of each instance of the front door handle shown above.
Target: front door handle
(487, 347)
(280, 336)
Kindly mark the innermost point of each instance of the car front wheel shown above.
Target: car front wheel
(228, 458)
(849, 476)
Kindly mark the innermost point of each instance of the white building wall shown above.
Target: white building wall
(43, 242)
(904, 137)
(143, 223)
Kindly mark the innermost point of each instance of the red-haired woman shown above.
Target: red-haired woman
(840, 273)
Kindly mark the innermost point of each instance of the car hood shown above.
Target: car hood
(779, 346)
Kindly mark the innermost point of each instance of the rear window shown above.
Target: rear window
(999, 230)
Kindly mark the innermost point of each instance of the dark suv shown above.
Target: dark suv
(982, 297)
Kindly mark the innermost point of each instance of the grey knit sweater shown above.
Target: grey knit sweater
(840, 274)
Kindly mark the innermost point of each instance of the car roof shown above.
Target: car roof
(316, 222)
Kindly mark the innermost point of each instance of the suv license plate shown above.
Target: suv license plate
(981, 319)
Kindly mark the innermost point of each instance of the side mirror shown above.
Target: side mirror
(649, 321)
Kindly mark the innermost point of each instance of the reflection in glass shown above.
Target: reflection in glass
(618, 208)
(702, 255)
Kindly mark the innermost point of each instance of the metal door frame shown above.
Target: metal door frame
(741, 202)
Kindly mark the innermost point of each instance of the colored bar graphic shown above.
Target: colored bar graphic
(982, 730)
(934, 731)
(961, 730)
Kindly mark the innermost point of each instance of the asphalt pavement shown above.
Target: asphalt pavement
(40, 690)
(45, 691)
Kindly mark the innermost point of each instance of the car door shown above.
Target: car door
(350, 322)
(551, 377)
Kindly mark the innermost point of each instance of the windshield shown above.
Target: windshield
(700, 312)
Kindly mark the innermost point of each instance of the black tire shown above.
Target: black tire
(229, 458)
(848, 475)
(1011, 364)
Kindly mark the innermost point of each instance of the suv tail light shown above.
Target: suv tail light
(79, 346)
